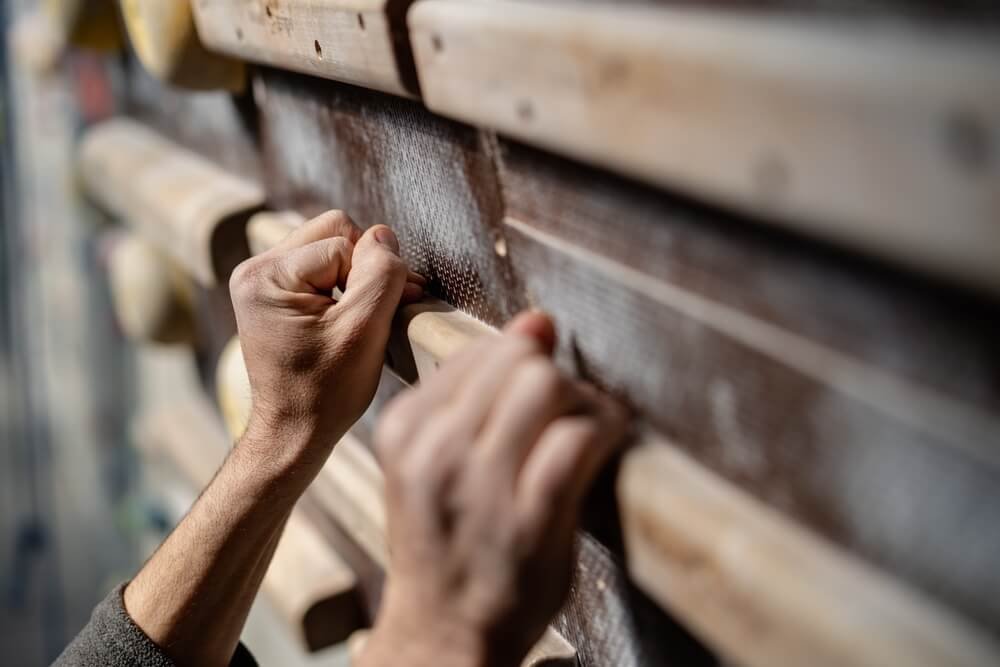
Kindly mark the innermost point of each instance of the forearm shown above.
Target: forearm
(192, 597)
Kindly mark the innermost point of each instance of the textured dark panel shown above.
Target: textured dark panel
(627, 275)
(387, 160)
(922, 10)
(922, 332)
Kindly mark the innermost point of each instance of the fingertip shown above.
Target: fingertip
(534, 324)
(383, 236)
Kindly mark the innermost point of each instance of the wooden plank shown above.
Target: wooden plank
(757, 587)
(151, 297)
(163, 36)
(267, 228)
(186, 205)
(307, 581)
(358, 41)
(878, 138)
(764, 591)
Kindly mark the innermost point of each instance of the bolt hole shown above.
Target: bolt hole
(361, 21)
(268, 11)
(239, 34)
(319, 49)
(437, 43)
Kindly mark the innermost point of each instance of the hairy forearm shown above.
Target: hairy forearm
(193, 596)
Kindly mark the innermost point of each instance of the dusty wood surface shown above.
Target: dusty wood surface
(190, 207)
(866, 136)
(363, 42)
(164, 38)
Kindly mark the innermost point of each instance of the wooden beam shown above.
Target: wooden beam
(346, 40)
(753, 584)
(307, 581)
(163, 35)
(187, 206)
(267, 229)
(152, 298)
(879, 138)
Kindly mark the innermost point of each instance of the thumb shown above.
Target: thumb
(375, 283)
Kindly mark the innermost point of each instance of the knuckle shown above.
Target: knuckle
(245, 276)
(390, 434)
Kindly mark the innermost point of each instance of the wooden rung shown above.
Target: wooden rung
(183, 203)
(759, 588)
(232, 385)
(762, 590)
(267, 229)
(163, 35)
(346, 40)
(307, 581)
(153, 299)
(878, 137)
(91, 24)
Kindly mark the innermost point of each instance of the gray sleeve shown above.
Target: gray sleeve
(112, 639)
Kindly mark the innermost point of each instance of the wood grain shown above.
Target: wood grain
(880, 139)
(762, 590)
(357, 41)
(188, 206)
(164, 38)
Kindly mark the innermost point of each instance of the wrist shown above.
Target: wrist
(423, 641)
(285, 448)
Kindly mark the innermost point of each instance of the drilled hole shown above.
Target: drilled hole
(437, 43)
(361, 21)
(319, 49)
(239, 34)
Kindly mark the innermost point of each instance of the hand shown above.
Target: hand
(486, 466)
(314, 362)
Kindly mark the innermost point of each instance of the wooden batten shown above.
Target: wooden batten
(756, 586)
(232, 386)
(763, 591)
(91, 24)
(879, 138)
(307, 581)
(346, 40)
(164, 37)
(187, 206)
(153, 299)
(267, 229)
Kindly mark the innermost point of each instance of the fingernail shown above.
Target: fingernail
(385, 236)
